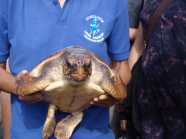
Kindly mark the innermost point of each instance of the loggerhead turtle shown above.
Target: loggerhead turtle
(69, 80)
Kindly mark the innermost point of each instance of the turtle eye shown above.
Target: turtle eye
(88, 65)
(71, 66)
(87, 62)
(68, 64)
(88, 68)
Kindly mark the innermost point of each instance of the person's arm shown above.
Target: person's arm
(123, 70)
(132, 34)
(6, 114)
(118, 48)
(8, 84)
(137, 48)
(6, 110)
(7, 81)
(5, 103)
(135, 8)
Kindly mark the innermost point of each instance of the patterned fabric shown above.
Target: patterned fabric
(157, 91)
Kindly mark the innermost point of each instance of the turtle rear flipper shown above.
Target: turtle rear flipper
(50, 122)
(66, 126)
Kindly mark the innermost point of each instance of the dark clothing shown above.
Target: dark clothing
(157, 91)
(135, 7)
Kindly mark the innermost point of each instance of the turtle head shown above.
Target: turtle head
(78, 66)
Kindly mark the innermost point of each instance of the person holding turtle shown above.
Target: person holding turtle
(27, 37)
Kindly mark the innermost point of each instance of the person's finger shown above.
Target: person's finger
(31, 98)
(23, 72)
(102, 103)
(103, 97)
(96, 99)
(100, 98)
(103, 100)
(91, 102)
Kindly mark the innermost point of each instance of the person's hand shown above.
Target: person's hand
(32, 98)
(36, 97)
(104, 101)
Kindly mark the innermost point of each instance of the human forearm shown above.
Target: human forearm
(7, 81)
(122, 69)
(134, 56)
(137, 47)
(6, 114)
(132, 34)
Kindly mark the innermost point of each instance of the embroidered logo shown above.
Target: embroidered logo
(94, 33)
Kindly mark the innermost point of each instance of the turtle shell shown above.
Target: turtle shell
(70, 79)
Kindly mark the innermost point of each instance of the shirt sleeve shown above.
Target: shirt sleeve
(4, 44)
(118, 41)
(135, 7)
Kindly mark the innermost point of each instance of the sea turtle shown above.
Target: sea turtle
(69, 80)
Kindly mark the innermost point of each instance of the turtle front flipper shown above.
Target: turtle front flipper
(114, 87)
(50, 122)
(66, 126)
(109, 81)
(27, 84)
(54, 85)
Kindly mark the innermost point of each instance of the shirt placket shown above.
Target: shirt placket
(63, 10)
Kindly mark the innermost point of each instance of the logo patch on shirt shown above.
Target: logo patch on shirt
(94, 33)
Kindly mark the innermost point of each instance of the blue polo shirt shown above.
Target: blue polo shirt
(31, 30)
